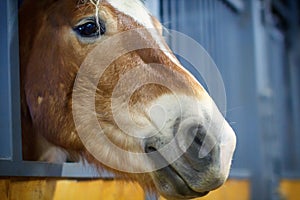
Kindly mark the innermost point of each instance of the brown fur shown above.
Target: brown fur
(50, 58)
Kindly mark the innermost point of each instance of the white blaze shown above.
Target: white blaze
(136, 10)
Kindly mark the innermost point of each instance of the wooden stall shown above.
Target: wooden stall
(64, 189)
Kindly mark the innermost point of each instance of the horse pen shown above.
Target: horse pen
(254, 45)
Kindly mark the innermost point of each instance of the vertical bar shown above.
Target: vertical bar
(165, 14)
(294, 35)
(10, 137)
(14, 84)
(153, 6)
(277, 63)
(5, 126)
(260, 183)
(266, 100)
(295, 84)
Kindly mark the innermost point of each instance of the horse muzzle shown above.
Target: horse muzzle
(194, 158)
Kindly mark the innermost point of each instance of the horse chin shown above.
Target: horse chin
(172, 185)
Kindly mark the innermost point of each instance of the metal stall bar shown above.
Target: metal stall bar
(263, 168)
(5, 139)
(10, 137)
(294, 59)
(13, 51)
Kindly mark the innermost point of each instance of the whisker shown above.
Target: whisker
(232, 123)
(166, 24)
(165, 31)
(232, 109)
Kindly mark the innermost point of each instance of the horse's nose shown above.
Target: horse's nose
(193, 142)
(200, 148)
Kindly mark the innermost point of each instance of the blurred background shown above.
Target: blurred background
(256, 47)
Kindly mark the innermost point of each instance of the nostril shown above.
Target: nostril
(150, 149)
(198, 141)
(199, 134)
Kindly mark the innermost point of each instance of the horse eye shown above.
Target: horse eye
(90, 29)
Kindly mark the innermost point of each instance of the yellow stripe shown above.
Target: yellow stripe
(51, 189)
(56, 189)
(232, 190)
(290, 189)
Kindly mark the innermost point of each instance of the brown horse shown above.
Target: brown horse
(168, 120)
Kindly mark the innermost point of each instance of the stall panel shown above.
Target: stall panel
(60, 189)
(290, 189)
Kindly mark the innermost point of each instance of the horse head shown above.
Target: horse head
(99, 82)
